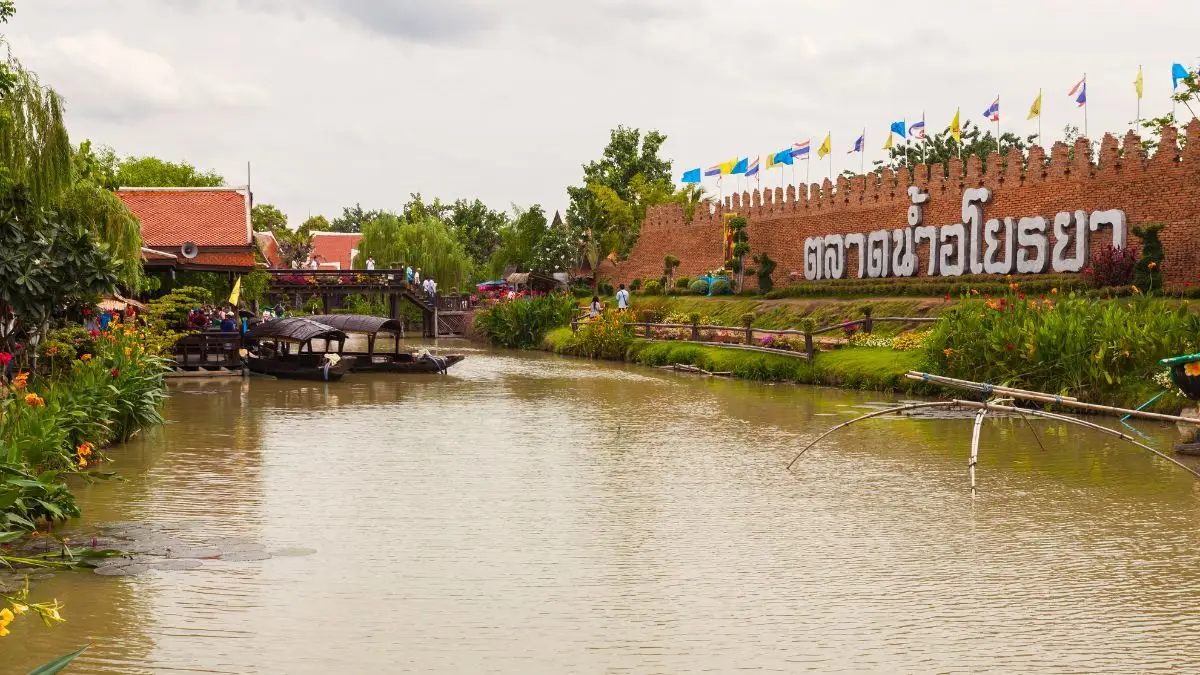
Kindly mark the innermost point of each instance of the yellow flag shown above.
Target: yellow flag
(727, 167)
(237, 292)
(1137, 84)
(955, 129)
(826, 147)
(888, 145)
(1035, 110)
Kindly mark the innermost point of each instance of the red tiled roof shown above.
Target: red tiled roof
(235, 259)
(334, 247)
(270, 249)
(151, 254)
(207, 217)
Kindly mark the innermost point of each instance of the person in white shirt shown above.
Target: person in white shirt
(370, 264)
(622, 298)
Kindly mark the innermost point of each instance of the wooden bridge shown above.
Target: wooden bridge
(443, 316)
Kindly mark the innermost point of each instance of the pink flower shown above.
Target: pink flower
(115, 372)
(5, 358)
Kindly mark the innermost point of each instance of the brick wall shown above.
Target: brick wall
(1163, 188)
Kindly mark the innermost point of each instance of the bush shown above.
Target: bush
(172, 309)
(682, 283)
(1112, 266)
(698, 287)
(1147, 274)
(607, 336)
(1084, 348)
(523, 323)
(984, 284)
(582, 291)
(721, 287)
(907, 342)
(605, 289)
(635, 285)
(653, 287)
(766, 267)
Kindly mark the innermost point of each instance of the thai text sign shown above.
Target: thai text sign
(997, 246)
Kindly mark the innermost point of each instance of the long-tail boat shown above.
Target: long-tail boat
(384, 362)
(284, 348)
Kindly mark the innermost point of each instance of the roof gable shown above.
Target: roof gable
(335, 247)
(204, 216)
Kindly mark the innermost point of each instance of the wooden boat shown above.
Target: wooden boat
(384, 362)
(270, 350)
(1185, 373)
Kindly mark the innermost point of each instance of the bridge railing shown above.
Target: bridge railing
(208, 350)
(312, 279)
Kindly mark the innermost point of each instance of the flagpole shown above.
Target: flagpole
(1139, 99)
(1040, 117)
(863, 153)
(998, 149)
(1085, 129)
(924, 136)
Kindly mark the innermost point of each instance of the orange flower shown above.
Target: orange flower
(1053, 291)
(86, 357)
(1152, 264)
(20, 380)
(947, 352)
(34, 400)
(1013, 286)
(84, 449)
(1192, 369)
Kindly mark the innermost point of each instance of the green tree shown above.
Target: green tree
(941, 147)
(314, 224)
(519, 240)
(88, 205)
(34, 148)
(8, 79)
(690, 197)
(155, 172)
(629, 178)
(47, 264)
(741, 246)
(1188, 95)
(267, 218)
(417, 210)
(428, 244)
(766, 267)
(353, 219)
(478, 228)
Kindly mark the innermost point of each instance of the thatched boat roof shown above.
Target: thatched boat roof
(358, 323)
(296, 329)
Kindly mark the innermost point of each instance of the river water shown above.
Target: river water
(534, 514)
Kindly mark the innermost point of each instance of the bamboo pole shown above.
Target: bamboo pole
(968, 384)
(975, 447)
(877, 413)
(1048, 398)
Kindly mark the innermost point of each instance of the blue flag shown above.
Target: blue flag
(741, 166)
(898, 128)
(783, 157)
(692, 176)
(1178, 72)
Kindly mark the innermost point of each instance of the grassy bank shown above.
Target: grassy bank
(857, 368)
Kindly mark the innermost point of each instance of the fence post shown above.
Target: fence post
(695, 332)
(648, 324)
(808, 345)
(867, 323)
(574, 325)
(749, 335)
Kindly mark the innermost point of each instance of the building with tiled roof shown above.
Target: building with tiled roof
(203, 229)
(268, 245)
(335, 250)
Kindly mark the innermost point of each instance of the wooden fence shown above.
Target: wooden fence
(697, 331)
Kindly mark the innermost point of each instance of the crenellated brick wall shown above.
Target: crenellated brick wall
(1163, 188)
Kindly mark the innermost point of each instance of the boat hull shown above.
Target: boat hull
(300, 367)
(403, 363)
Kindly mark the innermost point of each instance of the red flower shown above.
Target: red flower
(5, 358)
(87, 312)
(1087, 270)
(94, 333)
(1008, 346)
(1020, 296)
(115, 372)
(17, 346)
(947, 298)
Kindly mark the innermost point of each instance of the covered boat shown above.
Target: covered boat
(1185, 373)
(284, 348)
(395, 361)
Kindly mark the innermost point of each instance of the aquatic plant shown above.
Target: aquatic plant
(522, 323)
(607, 336)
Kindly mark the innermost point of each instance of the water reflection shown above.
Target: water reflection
(533, 514)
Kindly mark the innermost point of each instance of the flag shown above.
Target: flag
(727, 167)
(858, 144)
(955, 128)
(237, 292)
(752, 168)
(692, 176)
(800, 149)
(826, 147)
(917, 130)
(741, 165)
(1081, 89)
(1035, 110)
(714, 170)
(888, 145)
(1137, 83)
(783, 157)
(1178, 72)
(897, 128)
(993, 111)
(770, 161)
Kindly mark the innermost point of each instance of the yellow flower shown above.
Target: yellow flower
(52, 614)
(19, 609)
(1192, 369)
(1136, 290)
(82, 463)
(86, 357)
(1053, 291)
(1152, 264)
(128, 351)
(974, 291)
(3, 631)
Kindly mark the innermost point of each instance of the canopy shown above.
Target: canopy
(298, 329)
(358, 323)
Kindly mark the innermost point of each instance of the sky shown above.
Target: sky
(337, 102)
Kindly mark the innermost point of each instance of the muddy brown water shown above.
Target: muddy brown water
(534, 514)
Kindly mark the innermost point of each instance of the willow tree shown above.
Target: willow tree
(112, 223)
(427, 243)
(34, 148)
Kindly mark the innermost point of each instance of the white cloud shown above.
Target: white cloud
(99, 75)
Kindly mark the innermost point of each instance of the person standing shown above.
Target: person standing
(408, 274)
(622, 298)
(370, 264)
(417, 277)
